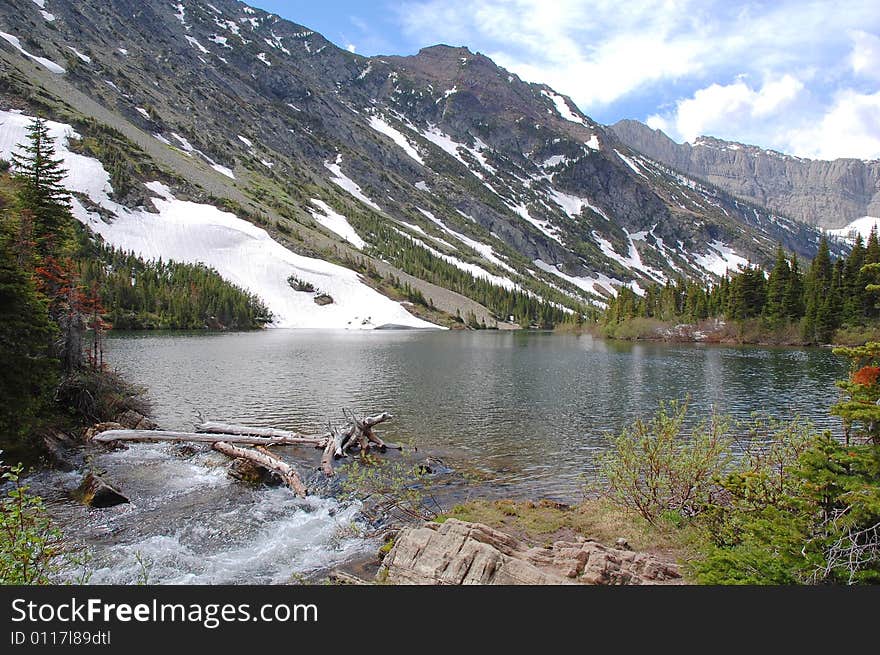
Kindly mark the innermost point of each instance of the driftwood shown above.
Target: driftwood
(267, 460)
(358, 432)
(223, 437)
(168, 435)
(213, 427)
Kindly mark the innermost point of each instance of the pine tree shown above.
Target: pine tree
(872, 251)
(777, 285)
(39, 174)
(853, 293)
(28, 372)
(819, 315)
(794, 291)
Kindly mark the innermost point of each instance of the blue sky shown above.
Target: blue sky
(798, 76)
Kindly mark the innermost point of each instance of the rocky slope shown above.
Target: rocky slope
(440, 171)
(830, 194)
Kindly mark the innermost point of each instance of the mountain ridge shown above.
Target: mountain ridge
(442, 163)
(826, 193)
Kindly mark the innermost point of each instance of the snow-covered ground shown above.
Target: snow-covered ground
(562, 108)
(48, 64)
(197, 233)
(342, 180)
(336, 222)
(721, 261)
(862, 226)
(384, 128)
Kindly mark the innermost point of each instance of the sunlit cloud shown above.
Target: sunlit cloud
(758, 73)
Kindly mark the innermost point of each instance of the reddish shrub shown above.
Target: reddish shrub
(867, 375)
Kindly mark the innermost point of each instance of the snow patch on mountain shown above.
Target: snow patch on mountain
(336, 222)
(631, 163)
(721, 261)
(82, 57)
(342, 180)
(48, 64)
(598, 284)
(191, 232)
(862, 226)
(562, 108)
(484, 250)
(384, 128)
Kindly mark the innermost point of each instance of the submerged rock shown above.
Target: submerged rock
(456, 553)
(248, 471)
(97, 492)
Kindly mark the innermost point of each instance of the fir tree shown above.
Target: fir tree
(775, 309)
(28, 372)
(39, 174)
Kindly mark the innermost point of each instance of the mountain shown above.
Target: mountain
(829, 194)
(216, 132)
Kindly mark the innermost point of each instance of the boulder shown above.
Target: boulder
(251, 472)
(457, 553)
(97, 492)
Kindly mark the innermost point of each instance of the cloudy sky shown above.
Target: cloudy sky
(797, 76)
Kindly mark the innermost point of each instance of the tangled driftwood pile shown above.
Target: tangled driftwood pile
(252, 443)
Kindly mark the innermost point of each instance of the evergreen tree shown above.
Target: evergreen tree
(777, 285)
(28, 372)
(853, 294)
(39, 174)
(794, 291)
(820, 317)
(872, 251)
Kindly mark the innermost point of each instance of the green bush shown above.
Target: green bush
(652, 468)
(30, 546)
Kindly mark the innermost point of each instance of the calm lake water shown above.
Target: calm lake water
(529, 409)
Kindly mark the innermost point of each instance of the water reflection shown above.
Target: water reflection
(534, 407)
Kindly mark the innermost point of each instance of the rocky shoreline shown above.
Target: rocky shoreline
(456, 552)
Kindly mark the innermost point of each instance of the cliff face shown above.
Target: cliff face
(829, 194)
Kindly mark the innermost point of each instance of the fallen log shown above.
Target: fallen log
(168, 435)
(268, 461)
(213, 427)
(329, 453)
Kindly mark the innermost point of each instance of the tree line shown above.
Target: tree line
(150, 295)
(830, 294)
(60, 290)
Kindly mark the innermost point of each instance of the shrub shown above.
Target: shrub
(94, 395)
(652, 468)
(300, 285)
(30, 546)
(396, 490)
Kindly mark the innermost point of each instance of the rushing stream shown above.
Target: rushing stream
(526, 410)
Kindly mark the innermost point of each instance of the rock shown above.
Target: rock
(248, 471)
(133, 420)
(622, 544)
(323, 299)
(97, 492)
(456, 553)
(825, 193)
(56, 447)
(184, 450)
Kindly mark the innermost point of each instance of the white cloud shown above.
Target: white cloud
(716, 108)
(746, 71)
(865, 57)
(851, 128)
(351, 47)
